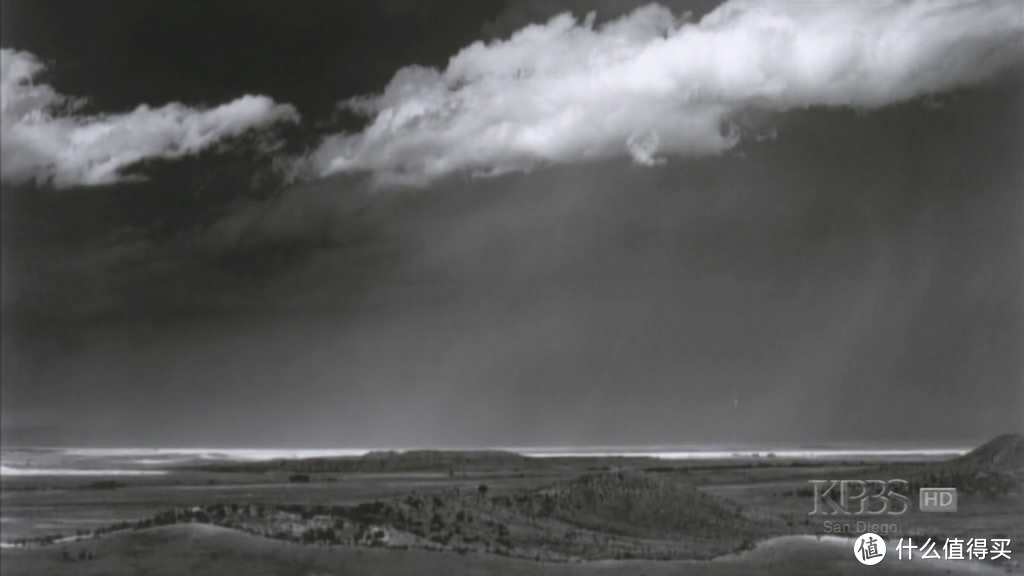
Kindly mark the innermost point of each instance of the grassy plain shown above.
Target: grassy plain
(494, 514)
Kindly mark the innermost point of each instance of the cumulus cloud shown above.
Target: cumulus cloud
(43, 138)
(649, 85)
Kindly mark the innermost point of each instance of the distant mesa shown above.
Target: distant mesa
(386, 461)
(419, 459)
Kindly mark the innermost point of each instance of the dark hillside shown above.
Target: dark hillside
(640, 505)
(995, 468)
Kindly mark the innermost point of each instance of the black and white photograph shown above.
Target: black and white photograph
(511, 287)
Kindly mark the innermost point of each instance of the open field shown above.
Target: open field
(490, 514)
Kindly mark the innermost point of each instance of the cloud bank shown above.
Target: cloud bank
(42, 137)
(650, 85)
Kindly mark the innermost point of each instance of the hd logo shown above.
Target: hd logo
(937, 500)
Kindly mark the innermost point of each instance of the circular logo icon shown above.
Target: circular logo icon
(869, 548)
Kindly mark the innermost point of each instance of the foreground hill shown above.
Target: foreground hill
(994, 468)
(642, 505)
(1002, 454)
(200, 550)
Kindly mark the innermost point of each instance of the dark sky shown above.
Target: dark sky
(857, 277)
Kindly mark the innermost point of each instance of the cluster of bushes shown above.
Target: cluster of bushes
(102, 485)
(82, 555)
(320, 536)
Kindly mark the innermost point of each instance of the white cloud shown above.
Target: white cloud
(648, 85)
(43, 139)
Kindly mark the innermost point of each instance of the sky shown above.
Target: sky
(490, 223)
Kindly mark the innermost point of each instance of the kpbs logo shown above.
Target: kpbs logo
(860, 497)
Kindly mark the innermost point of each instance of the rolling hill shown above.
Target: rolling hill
(994, 468)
